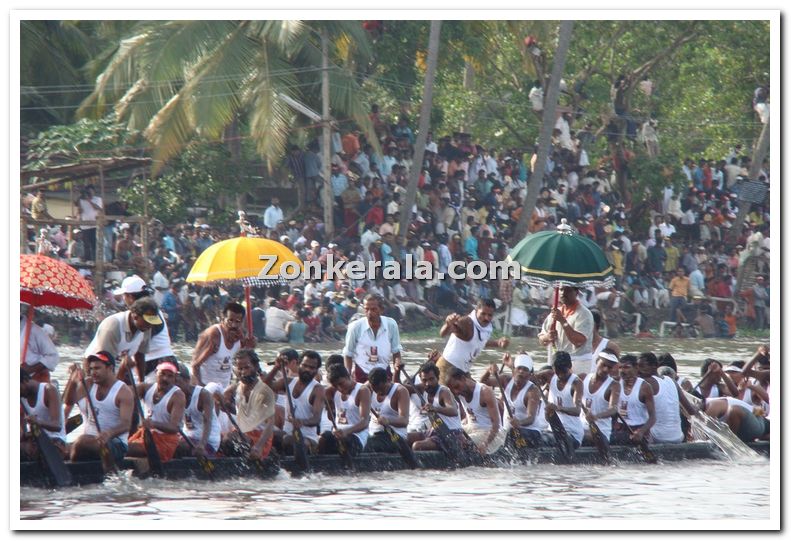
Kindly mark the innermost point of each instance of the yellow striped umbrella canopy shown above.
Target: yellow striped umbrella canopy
(237, 260)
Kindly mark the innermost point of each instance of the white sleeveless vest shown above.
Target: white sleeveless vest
(130, 346)
(193, 421)
(595, 355)
(564, 399)
(667, 428)
(461, 354)
(40, 411)
(108, 413)
(477, 415)
(596, 403)
(217, 367)
(631, 409)
(348, 413)
(158, 412)
(159, 344)
(384, 409)
(302, 410)
(520, 410)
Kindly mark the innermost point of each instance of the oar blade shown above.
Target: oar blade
(52, 459)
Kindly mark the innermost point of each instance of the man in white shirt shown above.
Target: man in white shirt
(42, 355)
(161, 285)
(273, 214)
(371, 342)
(276, 321)
(88, 206)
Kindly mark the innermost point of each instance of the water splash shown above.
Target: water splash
(705, 427)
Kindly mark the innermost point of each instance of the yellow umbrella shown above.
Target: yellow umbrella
(238, 260)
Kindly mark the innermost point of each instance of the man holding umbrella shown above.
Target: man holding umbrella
(569, 327)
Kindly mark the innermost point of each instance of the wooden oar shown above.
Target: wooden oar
(558, 432)
(300, 451)
(401, 444)
(343, 451)
(154, 460)
(519, 440)
(599, 441)
(108, 461)
(246, 443)
(646, 452)
(203, 461)
(53, 460)
(73, 422)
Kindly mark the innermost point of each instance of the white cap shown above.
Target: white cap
(432, 147)
(314, 243)
(131, 284)
(523, 360)
(214, 388)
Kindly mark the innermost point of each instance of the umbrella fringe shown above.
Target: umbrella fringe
(539, 282)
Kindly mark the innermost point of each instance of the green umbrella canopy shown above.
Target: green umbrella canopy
(562, 258)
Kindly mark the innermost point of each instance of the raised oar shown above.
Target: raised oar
(558, 432)
(343, 451)
(300, 451)
(108, 461)
(404, 449)
(519, 440)
(52, 457)
(245, 442)
(599, 441)
(646, 452)
(154, 460)
(203, 461)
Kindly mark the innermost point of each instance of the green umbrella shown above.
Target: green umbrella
(562, 258)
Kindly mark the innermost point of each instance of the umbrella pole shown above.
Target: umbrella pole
(249, 310)
(28, 325)
(554, 307)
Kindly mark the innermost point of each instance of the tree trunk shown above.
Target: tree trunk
(327, 198)
(420, 144)
(547, 125)
(759, 153)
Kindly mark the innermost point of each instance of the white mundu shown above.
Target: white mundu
(460, 353)
(477, 415)
(41, 411)
(217, 367)
(193, 421)
(385, 409)
(667, 428)
(302, 410)
(631, 409)
(348, 413)
(109, 414)
(520, 410)
(564, 399)
(597, 403)
(158, 412)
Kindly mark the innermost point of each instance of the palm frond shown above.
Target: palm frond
(169, 129)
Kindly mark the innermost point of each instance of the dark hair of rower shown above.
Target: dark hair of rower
(666, 359)
(562, 361)
(334, 359)
(377, 376)
(487, 302)
(251, 356)
(429, 367)
(650, 358)
(290, 354)
(705, 366)
(144, 306)
(234, 307)
(336, 372)
(312, 355)
(456, 373)
(629, 359)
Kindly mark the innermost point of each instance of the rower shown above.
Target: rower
(215, 390)
(667, 398)
(291, 359)
(127, 333)
(744, 420)
(372, 341)
(217, 346)
(43, 407)
(255, 409)
(113, 403)
(201, 425)
(469, 335)
(482, 416)
(711, 384)
(307, 396)
(352, 404)
(565, 397)
(41, 356)
(600, 343)
(635, 404)
(754, 387)
(438, 399)
(600, 395)
(163, 405)
(390, 402)
(524, 397)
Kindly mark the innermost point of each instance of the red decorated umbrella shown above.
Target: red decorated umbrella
(55, 287)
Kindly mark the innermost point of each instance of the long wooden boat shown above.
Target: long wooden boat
(34, 474)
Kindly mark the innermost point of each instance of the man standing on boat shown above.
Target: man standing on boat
(201, 424)
(113, 403)
(469, 335)
(372, 341)
(163, 405)
(569, 327)
(667, 398)
(635, 405)
(214, 352)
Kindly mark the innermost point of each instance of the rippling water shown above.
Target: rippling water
(701, 489)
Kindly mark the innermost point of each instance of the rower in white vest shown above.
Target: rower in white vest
(42, 406)
(481, 414)
(389, 407)
(469, 335)
(565, 397)
(635, 405)
(600, 395)
(437, 399)
(201, 424)
(212, 358)
(668, 399)
(351, 402)
(599, 343)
